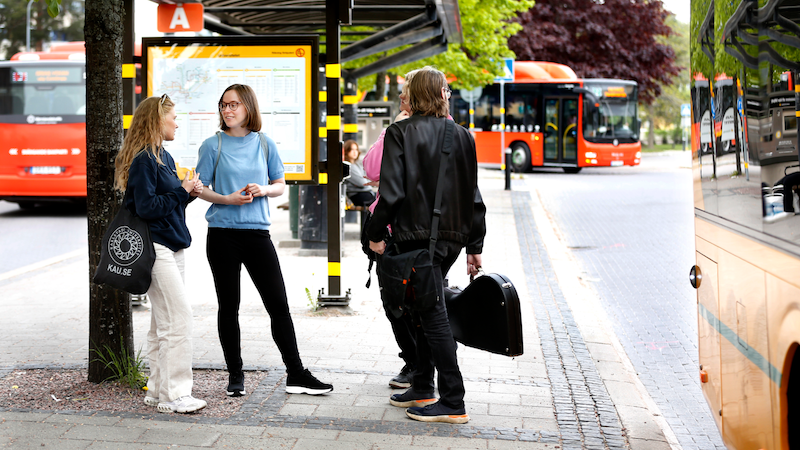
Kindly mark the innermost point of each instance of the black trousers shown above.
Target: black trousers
(436, 348)
(227, 250)
(404, 330)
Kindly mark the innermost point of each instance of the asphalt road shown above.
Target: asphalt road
(34, 235)
(632, 231)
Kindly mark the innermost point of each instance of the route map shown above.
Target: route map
(196, 84)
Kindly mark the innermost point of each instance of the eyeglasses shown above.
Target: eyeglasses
(232, 105)
(447, 91)
(163, 97)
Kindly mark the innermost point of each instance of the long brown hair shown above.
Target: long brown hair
(425, 93)
(248, 97)
(348, 145)
(145, 134)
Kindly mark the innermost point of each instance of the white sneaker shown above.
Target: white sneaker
(150, 401)
(185, 404)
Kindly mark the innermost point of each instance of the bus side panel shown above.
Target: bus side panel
(487, 146)
(708, 337)
(783, 309)
(746, 407)
(23, 146)
(535, 143)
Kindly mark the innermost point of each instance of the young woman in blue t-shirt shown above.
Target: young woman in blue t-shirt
(153, 191)
(238, 233)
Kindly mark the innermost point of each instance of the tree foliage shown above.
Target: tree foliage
(608, 39)
(486, 26)
(47, 20)
(666, 108)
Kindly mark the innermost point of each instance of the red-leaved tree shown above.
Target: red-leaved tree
(609, 39)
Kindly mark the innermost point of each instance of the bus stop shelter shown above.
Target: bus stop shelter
(426, 26)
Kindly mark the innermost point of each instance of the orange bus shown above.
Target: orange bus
(554, 119)
(43, 126)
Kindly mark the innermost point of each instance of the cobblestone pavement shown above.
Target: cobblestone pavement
(632, 231)
(552, 395)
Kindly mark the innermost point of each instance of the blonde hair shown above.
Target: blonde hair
(425, 93)
(248, 97)
(145, 134)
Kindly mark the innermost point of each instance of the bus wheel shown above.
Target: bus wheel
(793, 401)
(572, 169)
(520, 157)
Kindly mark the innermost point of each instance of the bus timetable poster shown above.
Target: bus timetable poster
(194, 72)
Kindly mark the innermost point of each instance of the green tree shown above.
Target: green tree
(486, 27)
(47, 20)
(664, 113)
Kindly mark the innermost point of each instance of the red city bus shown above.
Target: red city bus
(555, 119)
(43, 126)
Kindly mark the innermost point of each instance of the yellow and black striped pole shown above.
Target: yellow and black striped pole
(128, 67)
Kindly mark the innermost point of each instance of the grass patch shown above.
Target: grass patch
(127, 369)
(663, 147)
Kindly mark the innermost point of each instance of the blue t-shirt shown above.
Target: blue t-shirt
(241, 162)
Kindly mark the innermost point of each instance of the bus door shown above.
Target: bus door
(561, 130)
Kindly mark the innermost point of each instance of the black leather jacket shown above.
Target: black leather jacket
(409, 172)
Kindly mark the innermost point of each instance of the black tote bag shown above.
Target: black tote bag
(127, 254)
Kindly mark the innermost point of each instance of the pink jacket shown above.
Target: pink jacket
(372, 165)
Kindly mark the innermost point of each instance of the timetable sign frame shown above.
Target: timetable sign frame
(282, 70)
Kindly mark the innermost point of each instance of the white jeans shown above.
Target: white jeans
(169, 341)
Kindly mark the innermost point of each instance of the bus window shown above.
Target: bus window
(615, 117)
(487, 109)
(42, 90)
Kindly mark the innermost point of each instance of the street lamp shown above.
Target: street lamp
(28, 28)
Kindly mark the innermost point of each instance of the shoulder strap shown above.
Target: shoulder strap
(265, 150)
(216, 161)
(449, 129)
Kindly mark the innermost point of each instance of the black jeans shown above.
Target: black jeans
(404, 330)
(436, 347)
(227, 249)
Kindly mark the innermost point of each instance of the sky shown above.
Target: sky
(678, 7)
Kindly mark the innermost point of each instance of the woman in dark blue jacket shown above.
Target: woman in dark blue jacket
(147, 174)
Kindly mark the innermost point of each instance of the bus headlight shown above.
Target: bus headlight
(591, 155)
(638, 155)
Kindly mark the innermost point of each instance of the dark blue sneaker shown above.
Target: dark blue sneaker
(412, 398)
(437, 412)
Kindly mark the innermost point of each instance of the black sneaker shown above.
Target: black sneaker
(412, 398)
(437, 412)
(305, 383)
(403, 379)
(235, 384)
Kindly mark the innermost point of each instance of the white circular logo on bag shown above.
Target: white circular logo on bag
(125, 246)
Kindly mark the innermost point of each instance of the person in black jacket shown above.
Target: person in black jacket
(153, 191)
(411, 157)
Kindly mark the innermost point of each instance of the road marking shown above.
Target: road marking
(41, 264)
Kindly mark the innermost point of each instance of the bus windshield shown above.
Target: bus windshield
(614, 115)
(42, 90)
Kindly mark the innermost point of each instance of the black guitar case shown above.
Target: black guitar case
(486, 315)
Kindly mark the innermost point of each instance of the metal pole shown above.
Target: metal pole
(28, 28)
(503, 150)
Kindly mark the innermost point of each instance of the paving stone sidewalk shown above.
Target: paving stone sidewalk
(551, 396)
